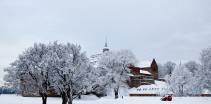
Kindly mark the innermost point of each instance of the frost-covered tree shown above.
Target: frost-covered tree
(161, 71)
(206, 67)
(31, 71)
(11, 78)
(199, 76)
(61, 66)
(197, 82)
(113, 67)
(168, 68)
(192, 66)
(99, 84)
(179, 81)
(70, 70)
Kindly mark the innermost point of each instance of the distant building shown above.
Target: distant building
(158, 89)
(94, 59)
(143, 76)
(138, 76)
(105, 49)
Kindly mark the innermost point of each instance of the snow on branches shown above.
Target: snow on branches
(113, 67)
(61, 66)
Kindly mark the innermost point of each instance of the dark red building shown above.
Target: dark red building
(143, 76)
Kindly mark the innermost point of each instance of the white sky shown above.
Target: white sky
(163, 29)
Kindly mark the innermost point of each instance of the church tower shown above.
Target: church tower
(154, 69)
(105, 49)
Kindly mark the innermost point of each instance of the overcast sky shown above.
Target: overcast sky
(163, 29)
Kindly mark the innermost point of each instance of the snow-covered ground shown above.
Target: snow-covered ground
(14, 99)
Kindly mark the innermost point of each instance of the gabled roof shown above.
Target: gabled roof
(144, 72)
(140, 70)
(146, 68)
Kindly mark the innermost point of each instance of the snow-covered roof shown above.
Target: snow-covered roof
(144, 72)
(158, 88)
(206, 91)
(130, 75)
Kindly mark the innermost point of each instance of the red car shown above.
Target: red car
(166, 98)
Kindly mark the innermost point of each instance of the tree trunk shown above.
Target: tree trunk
(182, 92)
(70, 96)
(79, 96)
(70, 101)
(116, 90)
(44, 98)
(64, 98)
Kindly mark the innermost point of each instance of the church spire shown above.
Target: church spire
(106, 43)
(106, 46)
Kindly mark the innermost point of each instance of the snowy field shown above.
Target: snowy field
(13, 99)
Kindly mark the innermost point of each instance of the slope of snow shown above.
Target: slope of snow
(13, 99)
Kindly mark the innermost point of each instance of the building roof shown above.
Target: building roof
(158, 88)
(130, 75)
(144, 72)
(146, 68)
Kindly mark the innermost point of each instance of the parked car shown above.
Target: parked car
(167, 97)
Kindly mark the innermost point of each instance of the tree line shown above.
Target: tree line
(189, 78)
(67, 69)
